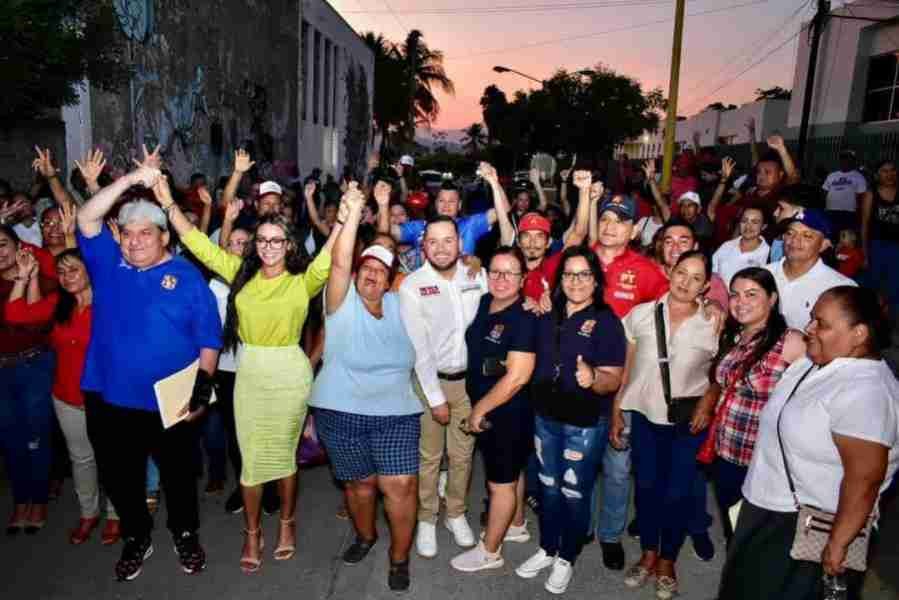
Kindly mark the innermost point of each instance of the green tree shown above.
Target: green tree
(475, 138)
(721, 107)
(50, 47)
(494, 106)
(424, 68)
(775, 93)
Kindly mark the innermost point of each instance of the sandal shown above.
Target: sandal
(251, 565)
(112, 532)
(286, 551)
(82, 533)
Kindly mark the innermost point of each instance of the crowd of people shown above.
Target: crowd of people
(594, 339)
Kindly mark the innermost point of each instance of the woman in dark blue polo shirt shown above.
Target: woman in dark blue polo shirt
(581, 350)
(501, 359)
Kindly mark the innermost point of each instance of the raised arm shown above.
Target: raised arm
(90, 216)
(500, 202)
(91, 167)
(649, 168)
(341, 277)
(206, 217)
(534, 176)
(382, 199)
(563, 193)
(312, 209)
(43, 164)
(242, 164)
(580, 227)
(727, 171)
(232, 211)
(67, 214)
(776, 143)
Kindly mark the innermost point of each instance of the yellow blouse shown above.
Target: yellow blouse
(271, 311)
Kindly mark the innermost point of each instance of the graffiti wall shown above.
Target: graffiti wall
(208, 77)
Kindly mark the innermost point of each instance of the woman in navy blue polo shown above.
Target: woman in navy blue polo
(581, 351)
(501, 357)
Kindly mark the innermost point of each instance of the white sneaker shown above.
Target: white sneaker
(462, 532)
(477, 559)
(560, 577)
(532, 566)
(441, 485)
(426, 540)
(515, 533)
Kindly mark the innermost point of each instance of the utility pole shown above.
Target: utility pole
(671, 117)
(819, 22)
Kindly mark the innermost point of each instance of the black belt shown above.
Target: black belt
(451, 376)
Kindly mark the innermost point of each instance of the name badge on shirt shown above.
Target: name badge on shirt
(628, 279)
(496, 333)
(169, 282)
(471, 287)
(587, 328)
(429, 290)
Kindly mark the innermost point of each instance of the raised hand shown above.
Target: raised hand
(776, 142)
(114, 229)
(43, 164)
(353, 198)
(727, 167)
(26, 264)
(309, 190)
(584, 373)
(162, 192)
(382, 194)
(204, 195)
(534, 176)
(67, 216)
(151, 159)
(583, 179)
(488, 172)
(597, 189)
(564, 173)
(232, 210)
(146, 176)
(242, 162)
(91, 166)
(649, 169)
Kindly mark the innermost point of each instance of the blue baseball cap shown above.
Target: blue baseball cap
(622, 205)
(813, 219)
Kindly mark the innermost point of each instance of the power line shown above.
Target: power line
(570, 38)
(760, 44)
(395, 16)
(521, 8)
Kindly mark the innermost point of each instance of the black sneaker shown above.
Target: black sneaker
(398, 578)
(356, 553)
(612, 555)
(633, 530)
(534, 503)
(134, 553)
(234, 503)
(190, 552)
(271, 503)
(703, 547)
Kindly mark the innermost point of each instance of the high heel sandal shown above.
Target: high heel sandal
(286, 551)
(251, 565)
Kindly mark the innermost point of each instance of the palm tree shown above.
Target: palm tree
(389, 109)
(474, 139)
(425, 72)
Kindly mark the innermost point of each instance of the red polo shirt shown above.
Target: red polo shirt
(546, 272)
(632, 279)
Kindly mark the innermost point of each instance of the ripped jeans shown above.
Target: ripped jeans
(569, 459)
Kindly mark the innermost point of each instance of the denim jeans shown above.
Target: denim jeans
(612, 494)
(26, 426)
(665, 469)
(214, 442)
(700, 519)
(569, 459)
(152, 477)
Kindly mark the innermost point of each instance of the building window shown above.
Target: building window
(327, 87)
(304, 67)
(316, 74)
(334, 86)
(881, 101)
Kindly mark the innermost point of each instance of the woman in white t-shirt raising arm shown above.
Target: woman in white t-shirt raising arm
(835, 413)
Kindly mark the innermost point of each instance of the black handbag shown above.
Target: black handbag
(681, 409)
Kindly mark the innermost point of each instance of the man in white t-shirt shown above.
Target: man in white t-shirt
(845, 189)
(801, 275)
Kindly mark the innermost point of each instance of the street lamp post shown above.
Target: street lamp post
(500, 69)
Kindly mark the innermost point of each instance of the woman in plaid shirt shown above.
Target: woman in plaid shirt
(755, 350)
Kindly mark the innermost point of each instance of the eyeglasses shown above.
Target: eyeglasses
(504, 275)
(275, 243)
(51, 223)
(579, 276)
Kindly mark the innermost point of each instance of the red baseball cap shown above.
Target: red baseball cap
(534, 222)
(417, 200)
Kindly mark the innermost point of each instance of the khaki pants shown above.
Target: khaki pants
(459, 448)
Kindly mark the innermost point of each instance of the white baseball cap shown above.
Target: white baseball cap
(380, 253)
(270, 187)
(407, 160)
(690, 197)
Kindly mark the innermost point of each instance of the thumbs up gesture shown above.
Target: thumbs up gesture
(584, 373)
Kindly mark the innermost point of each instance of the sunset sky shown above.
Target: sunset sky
(632, 37)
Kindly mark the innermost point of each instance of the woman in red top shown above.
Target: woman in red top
(26, 367)
(70, 312)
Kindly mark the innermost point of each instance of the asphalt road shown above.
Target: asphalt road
(46, 567)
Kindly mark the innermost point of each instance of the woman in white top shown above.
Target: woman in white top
(748, 250)
(664, 447)
(838, 415)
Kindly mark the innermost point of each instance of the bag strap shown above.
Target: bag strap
(662, 343)
(780, 441)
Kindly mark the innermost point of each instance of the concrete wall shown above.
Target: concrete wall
(209, 77)
(842, 70)
(343, 59)
(17, 150)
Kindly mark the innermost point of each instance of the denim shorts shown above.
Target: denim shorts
(360, 446)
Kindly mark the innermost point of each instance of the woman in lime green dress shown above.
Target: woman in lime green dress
(270, 293)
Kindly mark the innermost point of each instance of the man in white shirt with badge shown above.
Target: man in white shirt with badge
(438, 302)
(801, 275)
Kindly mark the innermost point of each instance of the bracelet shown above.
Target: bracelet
(341, 222)
(25, 278)
(166, 209)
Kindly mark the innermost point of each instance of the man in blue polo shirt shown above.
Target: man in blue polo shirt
(153, 315)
